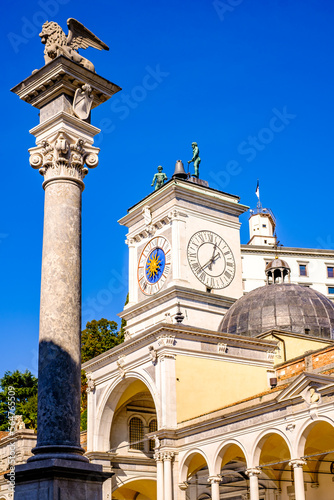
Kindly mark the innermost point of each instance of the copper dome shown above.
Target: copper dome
(285, 306)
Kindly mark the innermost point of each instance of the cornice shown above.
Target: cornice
(62, 76)
(179, 332)
(173, 292)
(287, 251)
(188, 191)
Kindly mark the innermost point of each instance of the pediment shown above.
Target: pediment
(303, 387)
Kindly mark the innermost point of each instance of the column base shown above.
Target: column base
(58, 479)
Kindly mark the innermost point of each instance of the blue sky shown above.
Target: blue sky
(250, 81)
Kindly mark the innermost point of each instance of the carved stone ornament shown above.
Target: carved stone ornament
(120, 365)
(153, 354)
(79, 37)
(166, 340)
(147, 215)
(82, 102)
(64, 157)
(127, 335)
(214, 479)
(183, 486)
(168, 455)
(90, 383)
(222, 348)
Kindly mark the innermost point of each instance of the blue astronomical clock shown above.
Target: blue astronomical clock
(154, 265)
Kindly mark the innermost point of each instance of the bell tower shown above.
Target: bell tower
(184, 255)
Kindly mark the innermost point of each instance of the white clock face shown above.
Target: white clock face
(154, 265)
(211, 259)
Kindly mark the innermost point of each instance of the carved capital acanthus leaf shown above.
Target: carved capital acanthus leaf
(63, 156)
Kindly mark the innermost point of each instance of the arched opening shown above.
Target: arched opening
(233, 464)
(317, 447)
(195, 473)
(134, 418)
(142, 489)
(273, 455)
(129, 416)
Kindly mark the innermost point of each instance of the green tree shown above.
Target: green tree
(98, 337)
(25, 388)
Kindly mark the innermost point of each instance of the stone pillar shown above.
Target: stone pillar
(183, 487)
(215, 481)
(253, 483)
(63, 154)
(168, 481)
(297, 465)
(160, 475)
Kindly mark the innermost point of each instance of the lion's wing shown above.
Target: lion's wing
(79, 37)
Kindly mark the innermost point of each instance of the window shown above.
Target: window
(136, 431)
(330, 272)
(153, 427)
(264, 225)
(331, 290)
(265, 241)
(302, 270)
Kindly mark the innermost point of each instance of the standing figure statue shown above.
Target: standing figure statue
(196, 159)
(159, 178)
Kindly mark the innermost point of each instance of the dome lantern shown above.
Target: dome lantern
(278, 271)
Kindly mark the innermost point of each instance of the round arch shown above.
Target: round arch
(193, 461)
(308, 428)
(225, 452)
(285, 452)
(110, 400)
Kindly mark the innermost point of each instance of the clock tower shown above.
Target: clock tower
(184, 255)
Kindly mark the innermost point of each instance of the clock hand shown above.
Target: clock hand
(212, 258)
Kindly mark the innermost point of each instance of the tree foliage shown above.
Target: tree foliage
(25, 388)
(98, 337)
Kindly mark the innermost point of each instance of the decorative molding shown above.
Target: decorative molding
(158, 456)
(290, 427)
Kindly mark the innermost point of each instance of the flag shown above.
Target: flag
(257, 191)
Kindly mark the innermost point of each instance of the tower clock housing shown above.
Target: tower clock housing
(184, 252)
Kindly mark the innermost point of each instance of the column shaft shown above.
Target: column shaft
(168, 479)
(60, 320)
(215, 490)
(160, 479)
(254, 487)
(299, 482)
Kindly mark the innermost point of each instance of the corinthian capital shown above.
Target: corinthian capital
(64, 157)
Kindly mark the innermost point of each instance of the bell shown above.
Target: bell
(179, 172)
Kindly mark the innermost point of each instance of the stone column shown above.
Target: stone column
(160, 475)
(63, 154)
(297, 465)
(253, 482)
(62, 160)
(215, 481)
(168, 481)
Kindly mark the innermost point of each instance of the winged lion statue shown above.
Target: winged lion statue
(79, 37)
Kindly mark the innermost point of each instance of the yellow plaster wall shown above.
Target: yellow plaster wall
(295, 346)
(205, 385)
